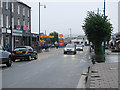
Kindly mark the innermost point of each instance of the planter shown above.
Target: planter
(99, 58)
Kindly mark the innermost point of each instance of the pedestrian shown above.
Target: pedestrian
(57, 46)
(7, 48)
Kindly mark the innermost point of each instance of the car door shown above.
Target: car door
(4, 55)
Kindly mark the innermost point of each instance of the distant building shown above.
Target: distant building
(0, 24)
(16, 15)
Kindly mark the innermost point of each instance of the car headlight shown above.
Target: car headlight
(73, 49)
(65, 49)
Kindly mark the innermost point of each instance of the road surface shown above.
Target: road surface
(53, 69)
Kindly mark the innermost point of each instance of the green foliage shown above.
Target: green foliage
(55, 39)
(97, 29)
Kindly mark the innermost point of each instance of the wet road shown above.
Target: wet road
(53, 69)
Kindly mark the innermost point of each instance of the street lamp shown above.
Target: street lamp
(104, 19)
(39, 17)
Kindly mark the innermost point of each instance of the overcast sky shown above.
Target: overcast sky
(60, 15)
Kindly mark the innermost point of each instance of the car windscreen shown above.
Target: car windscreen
(20, 49)
(70, 46)
(79, 46)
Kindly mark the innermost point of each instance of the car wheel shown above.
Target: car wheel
(65, 52)
(29, 58)
(74, 52)
(13, 60)
(36, 56)
(9, 63)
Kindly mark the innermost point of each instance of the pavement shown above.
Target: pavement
(105, 75)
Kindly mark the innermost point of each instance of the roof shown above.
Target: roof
(23, 4)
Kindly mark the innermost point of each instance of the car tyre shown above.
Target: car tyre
(13, 60)
(9, 63)
(29, 57)
(36, 56)
(74, 52)
(65, 52)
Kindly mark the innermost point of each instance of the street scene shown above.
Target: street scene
(59, 44)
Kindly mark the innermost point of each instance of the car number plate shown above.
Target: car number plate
(18, 52)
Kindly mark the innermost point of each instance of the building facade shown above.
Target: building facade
(119, 16)
(16, 24)
(0, 24)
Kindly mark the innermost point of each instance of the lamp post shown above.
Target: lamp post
(104, 19)
(39, 18)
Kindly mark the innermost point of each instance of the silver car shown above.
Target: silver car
(5, 57)
(70, 48)
(79, 48)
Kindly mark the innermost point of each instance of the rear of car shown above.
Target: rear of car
(79, 48)
(5, 57)
(70, 48)
(23, 53)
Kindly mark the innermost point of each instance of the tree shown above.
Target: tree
(55, 39)
(97, 29)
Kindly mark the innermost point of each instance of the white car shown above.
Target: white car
(5, 57)
(79, 48)
(70, 48)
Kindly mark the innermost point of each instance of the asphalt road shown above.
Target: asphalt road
(53, 69)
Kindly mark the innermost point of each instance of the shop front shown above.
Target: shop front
(17, 38)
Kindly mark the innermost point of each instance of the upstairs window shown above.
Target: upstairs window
(6, 5)
(6, 21)
(23, 11)
(1, 20)
(12, 7)
(1, 3)
(28, 13)
(18, 9)
(12, 22)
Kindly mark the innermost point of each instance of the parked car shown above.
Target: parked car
(5, 57)
(24, 52)
(70, 48)
(52, 46)
(79, 48)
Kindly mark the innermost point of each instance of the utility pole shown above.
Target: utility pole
(11, 25)
(70, 33)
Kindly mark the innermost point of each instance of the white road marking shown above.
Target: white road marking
(80, 83)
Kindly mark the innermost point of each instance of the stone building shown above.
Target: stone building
(16, 22)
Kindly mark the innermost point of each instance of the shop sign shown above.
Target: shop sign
(16, 34)
(46, 36)
(18, 27)
(60, 36)
(17, 31)
(61, 43)
(3, 30)
(25, 28)
(8, 31)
